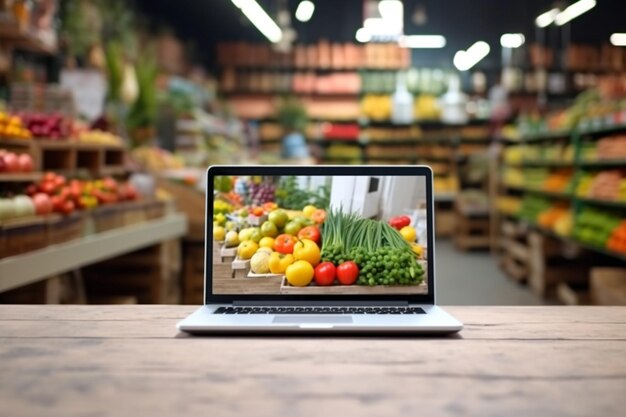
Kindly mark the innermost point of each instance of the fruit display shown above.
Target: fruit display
(69, 195)
(617, 240)
(509, 205)
(13, 163)
(558, 181)
(595, 227)
(446, 184)
(376, 107)
(311, 247)
(550, 217)
(12, 127)
(99, 137)
(532, 206)
(18, 206)
(155, 159)
(612, 147)
(47, 126)
(605, 185)
(426, 107)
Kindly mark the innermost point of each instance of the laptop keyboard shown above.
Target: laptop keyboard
(319, 310)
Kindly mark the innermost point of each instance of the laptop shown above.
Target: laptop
(347, 249)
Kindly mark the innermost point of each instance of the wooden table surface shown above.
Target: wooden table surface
(131, 361)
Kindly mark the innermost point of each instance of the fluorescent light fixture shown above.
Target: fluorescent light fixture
(305, 10)
(377, 26)
(618, 39)
(392, 11)
(422, 41)
(574, 10)
(512, 40)
(464, 60)
(546, 19)
(260, 19)
(363, 35)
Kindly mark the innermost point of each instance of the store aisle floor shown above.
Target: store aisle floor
(473, 278)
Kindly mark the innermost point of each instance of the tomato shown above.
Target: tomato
(67, 207)
(399, 222)
(311, 233)
(319, 216)
(284, 243)
(57, 203)
(347, 273)
(47, 187)
(325, 274)
(49, 176)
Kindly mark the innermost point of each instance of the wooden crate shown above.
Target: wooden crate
(444, 222)
(572, 296)
(65, 228)
(228, 255)
(107, 218)
(608, 286)
(22, 235)
(240, 268)
(48, 291)
(189, 201)
(548, 268)
(193, 272)
(514, 251)
(473, 229)
(313, 289)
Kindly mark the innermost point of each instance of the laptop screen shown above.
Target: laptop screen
(319, 235)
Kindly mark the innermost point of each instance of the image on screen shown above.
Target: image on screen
(319, 235)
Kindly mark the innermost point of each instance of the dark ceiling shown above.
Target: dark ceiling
(202, 23)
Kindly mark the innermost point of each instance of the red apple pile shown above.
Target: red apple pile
(11, 162)
(50, 126)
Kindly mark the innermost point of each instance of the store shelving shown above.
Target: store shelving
(37, 265)
(578, 166)
(21, 177)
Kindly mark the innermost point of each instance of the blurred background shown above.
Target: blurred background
(110, 111)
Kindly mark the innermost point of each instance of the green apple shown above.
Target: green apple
(303, 221)
(245, 234)
(256, 234)
(269, 229)
(292, 228)
(279, 217)
(230, 225)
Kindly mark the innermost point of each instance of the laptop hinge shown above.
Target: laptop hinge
(301, 303)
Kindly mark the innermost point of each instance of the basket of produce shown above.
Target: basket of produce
(21, 235)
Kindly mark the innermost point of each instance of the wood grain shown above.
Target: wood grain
(130, 361)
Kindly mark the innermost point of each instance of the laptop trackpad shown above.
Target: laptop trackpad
(312, 319)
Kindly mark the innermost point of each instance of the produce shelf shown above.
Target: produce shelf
(619, 163)
(606, 203)
(21, 177)
(539, 163)
(19, 270)
(550, 194)
(601, 130)
(21, 39)
(546, 136)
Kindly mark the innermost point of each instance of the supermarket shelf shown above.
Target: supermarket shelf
(312, 94)
(605, 203)
(113, 170)
(569, 239)
(546, 136)
(19, 270)
(601, 130)
(550, 194)
(539, 163)
(21, 177)
(619, 163)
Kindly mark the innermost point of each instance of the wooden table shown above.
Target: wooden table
(130, 361)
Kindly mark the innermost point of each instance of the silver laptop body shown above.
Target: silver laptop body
(269, 303)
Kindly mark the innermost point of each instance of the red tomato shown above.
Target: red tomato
(347, 273)
(57, 203)
(399, 222)
(47, 187)
(68, 207)
(49, 176)
(311, 233)
(325, 274)
(284, 243)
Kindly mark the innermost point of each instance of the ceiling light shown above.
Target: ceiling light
(422, 41)
(574, 10)
(363, 35)
(546, 19)
(464, 60)
(618, 39)
(260, 19)
(305, 10)
(512, 40)
(380, 27)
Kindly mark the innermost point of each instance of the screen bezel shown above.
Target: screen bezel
(326, 170)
